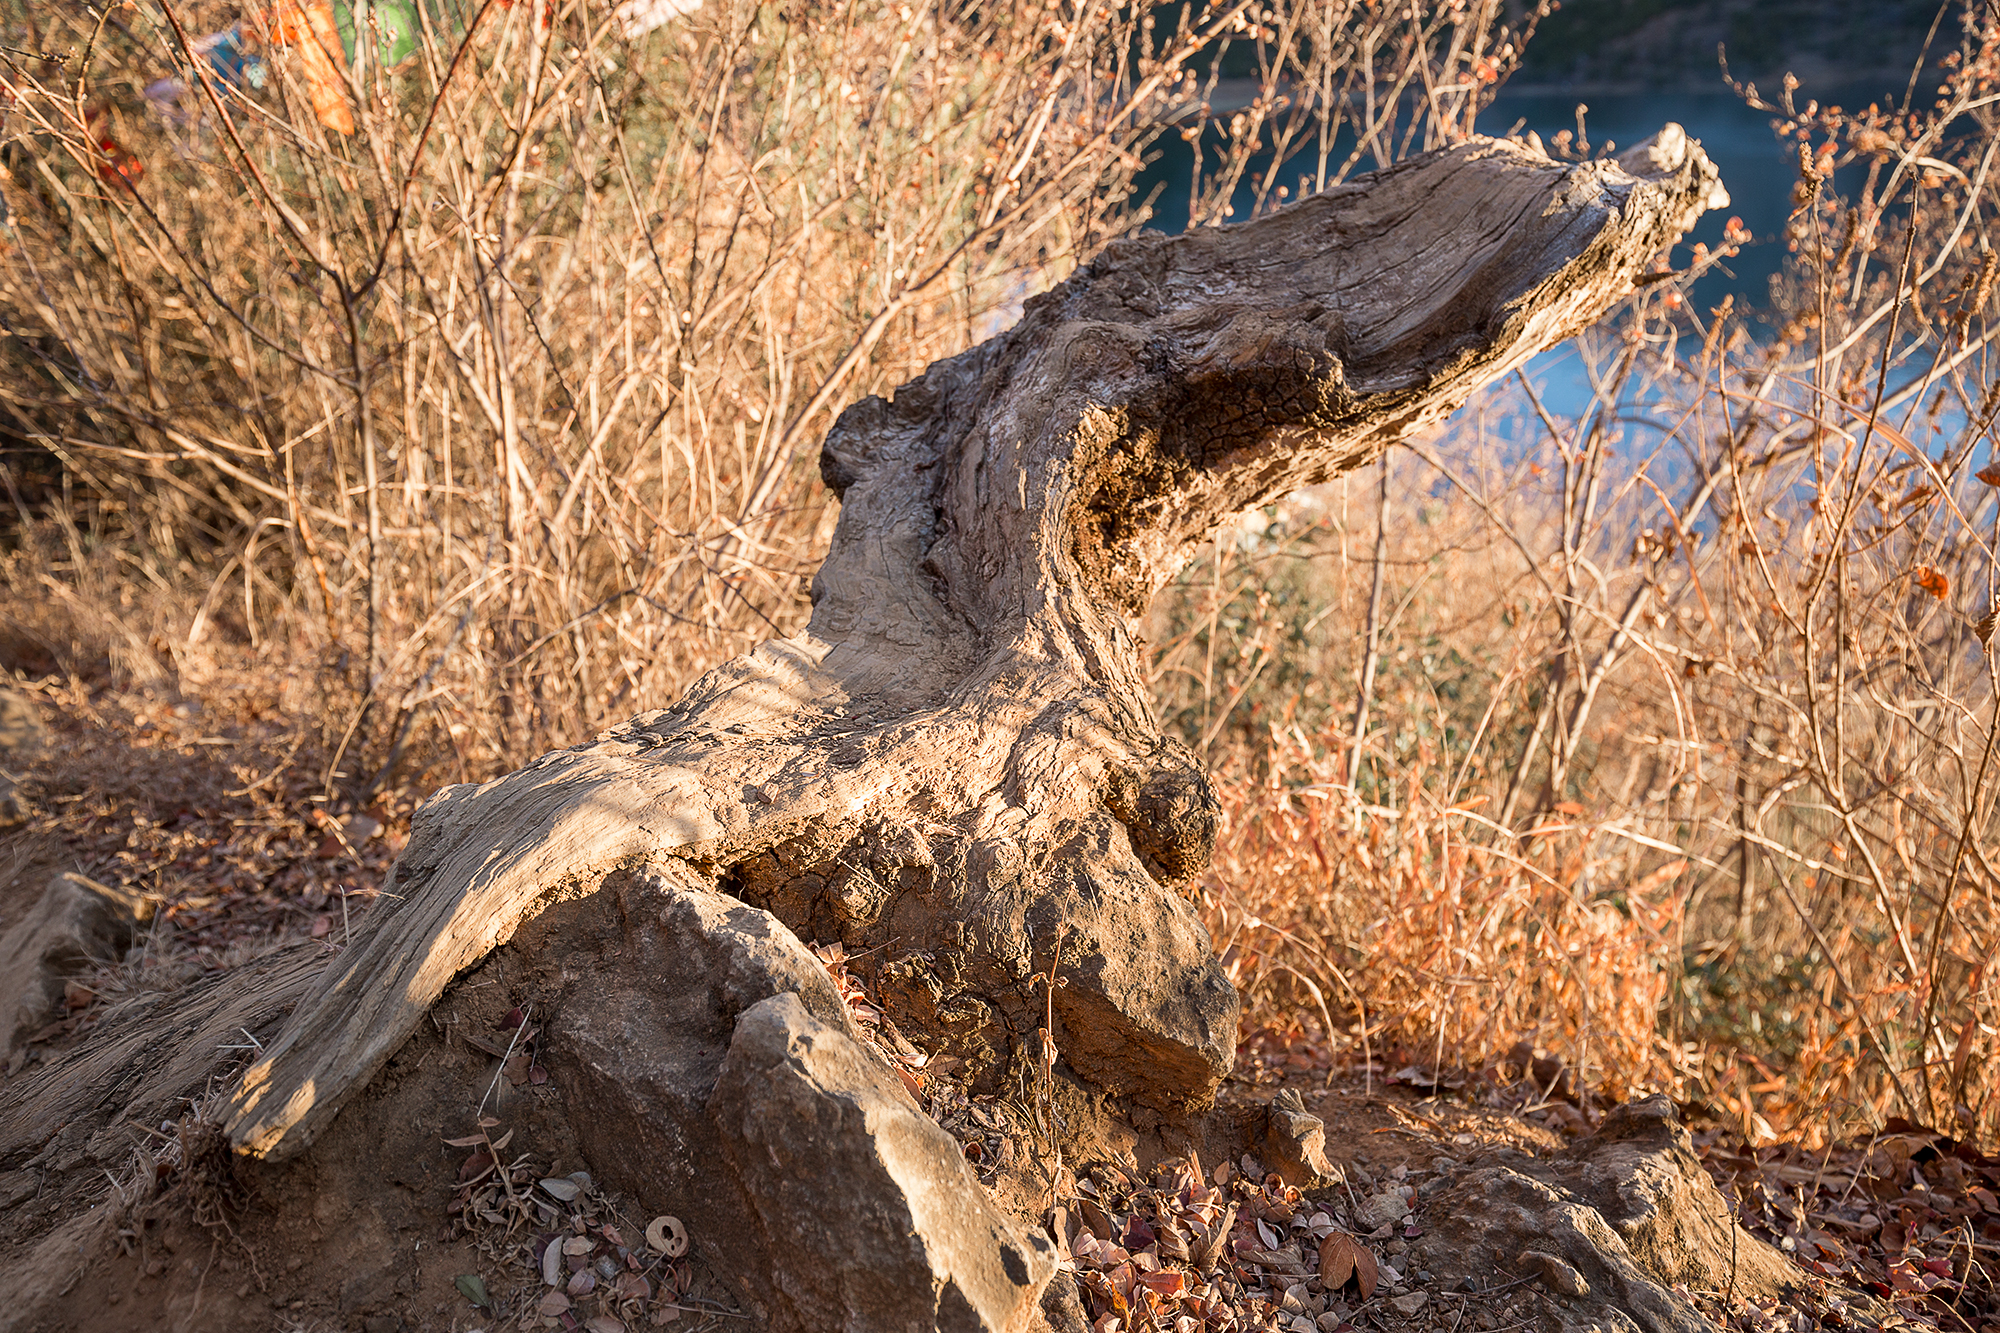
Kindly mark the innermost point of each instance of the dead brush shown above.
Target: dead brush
(484, 389)
(186, 1171)
(1668, 711)
(1421, 943)
(200, 1177)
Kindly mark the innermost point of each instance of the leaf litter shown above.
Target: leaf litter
(1218, 1252)
(1909, 1216)
(563, 1242)
(561, 1254)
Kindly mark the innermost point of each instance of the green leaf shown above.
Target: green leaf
(474, 1289)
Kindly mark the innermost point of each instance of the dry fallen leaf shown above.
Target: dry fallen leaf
(1342, 1257)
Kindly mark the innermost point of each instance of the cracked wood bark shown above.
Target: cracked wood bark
(958, 762)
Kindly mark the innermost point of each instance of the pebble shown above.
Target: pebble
(1556, 1274)
(1410, 1304)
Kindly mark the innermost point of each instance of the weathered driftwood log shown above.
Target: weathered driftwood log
(958, 763)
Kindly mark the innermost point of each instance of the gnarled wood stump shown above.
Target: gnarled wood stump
(958, 762)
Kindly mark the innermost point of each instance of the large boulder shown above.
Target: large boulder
(867, 1208)
(1614, 1232)
(710, 1067)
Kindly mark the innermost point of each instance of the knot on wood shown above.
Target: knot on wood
(1169, 812)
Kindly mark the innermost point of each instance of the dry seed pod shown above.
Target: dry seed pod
(668, 1236)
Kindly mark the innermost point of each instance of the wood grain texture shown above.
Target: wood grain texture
(958, 763)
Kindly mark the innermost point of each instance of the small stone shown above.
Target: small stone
(1410, 1304)
(1424, 1276)
(1383, 1209)
(1397, 1247)
(1556, 1274)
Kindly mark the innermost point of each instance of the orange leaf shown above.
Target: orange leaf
(1932, 582)
(1990, 474)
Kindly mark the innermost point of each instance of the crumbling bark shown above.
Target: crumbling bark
(958, 764)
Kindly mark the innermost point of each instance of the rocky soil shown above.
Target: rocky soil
(497, 1176)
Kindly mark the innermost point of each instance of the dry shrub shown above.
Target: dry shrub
(1723, 631)
(501, 410)
(495, 420)
(1418, 939)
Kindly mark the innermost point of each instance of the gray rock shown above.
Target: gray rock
(807, 1119)
(1382, 1209)
(1609, 1226)
(711, 1068)
(1556, 1275)
(1062, 1306)
(650, 976)
(77, 924)
(1295, 1141)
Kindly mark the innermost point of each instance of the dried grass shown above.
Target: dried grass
(1666, 743)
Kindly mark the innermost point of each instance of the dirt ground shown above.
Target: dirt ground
(372, 1231)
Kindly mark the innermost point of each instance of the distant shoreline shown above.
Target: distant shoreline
(1822, 84)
